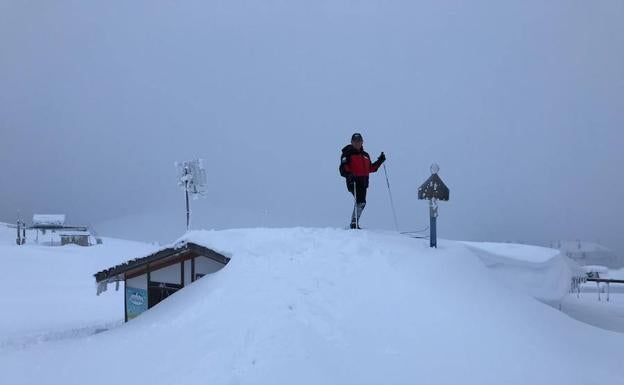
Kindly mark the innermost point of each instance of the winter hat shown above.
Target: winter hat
(357, 137)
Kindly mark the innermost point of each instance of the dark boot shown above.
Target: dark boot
(357, 213)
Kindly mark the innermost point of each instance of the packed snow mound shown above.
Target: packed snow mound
(543, 273)
(516, 252)
(327, 306)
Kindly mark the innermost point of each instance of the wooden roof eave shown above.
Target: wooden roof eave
(119, 272)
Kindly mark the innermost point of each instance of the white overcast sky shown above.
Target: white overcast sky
(520, 102)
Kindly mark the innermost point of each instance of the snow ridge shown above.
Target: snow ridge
(328, 306)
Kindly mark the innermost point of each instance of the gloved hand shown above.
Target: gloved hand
(350, 178)
(382, 158)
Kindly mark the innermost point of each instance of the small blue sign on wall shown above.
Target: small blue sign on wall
(136, 302)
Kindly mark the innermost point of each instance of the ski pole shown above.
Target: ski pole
(396, 222)
(355, 206)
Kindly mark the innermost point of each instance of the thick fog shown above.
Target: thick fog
(520, 103)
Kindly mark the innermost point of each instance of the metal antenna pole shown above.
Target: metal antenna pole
(188, 208)
(396, 222)
(192, 178)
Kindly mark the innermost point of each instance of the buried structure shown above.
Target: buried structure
(151, 279)
(53, 224)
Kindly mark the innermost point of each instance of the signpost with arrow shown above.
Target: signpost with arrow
(434, 190)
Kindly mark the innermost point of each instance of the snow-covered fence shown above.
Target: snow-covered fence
(575, 285)
(608, 285)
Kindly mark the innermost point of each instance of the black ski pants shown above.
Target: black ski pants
(359, 191)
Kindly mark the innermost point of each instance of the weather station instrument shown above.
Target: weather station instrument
(192, 179)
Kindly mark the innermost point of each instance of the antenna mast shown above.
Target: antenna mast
(192, 178)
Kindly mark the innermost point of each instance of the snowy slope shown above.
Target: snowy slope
(48, 292)
(7, 233)
(324, 306)
(541, 272)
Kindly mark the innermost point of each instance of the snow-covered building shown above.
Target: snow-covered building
(80, 238)
(60, 233)
(149, 280)
(588, 253)
(49, 220)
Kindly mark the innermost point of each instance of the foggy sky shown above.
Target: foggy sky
(521, 103)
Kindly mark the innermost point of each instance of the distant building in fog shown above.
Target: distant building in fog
(588, 253)
(49, 220)
(59, 233)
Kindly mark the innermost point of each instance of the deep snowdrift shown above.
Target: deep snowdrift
(324, 306)
(541, 272)
(47, 292)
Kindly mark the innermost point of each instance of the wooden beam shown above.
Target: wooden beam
(125, 301)
(193, 269)
(182, 273)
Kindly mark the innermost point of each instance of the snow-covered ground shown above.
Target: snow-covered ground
(48, 292)
(545, 274)
(587, 308)
(316, 306)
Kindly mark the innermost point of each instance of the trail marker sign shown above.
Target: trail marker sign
(433, 190)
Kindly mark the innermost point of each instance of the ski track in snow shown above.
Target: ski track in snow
(25, 341)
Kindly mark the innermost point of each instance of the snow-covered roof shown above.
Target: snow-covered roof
(589, 253)
(49, 219)
(116, 272)
(596, 268)
(581, 246)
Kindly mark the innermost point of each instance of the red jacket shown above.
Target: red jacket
(357, 163)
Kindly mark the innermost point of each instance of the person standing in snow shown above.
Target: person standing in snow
(355, 166)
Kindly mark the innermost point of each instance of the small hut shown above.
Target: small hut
(151, 279)
(55, 225)
(76, 238)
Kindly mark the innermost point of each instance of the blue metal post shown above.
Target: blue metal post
(433, 237)
(433, 216)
